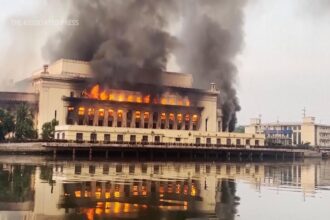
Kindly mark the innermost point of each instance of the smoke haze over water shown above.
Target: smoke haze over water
(130, 41)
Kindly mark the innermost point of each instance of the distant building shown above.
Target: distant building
(306, 132)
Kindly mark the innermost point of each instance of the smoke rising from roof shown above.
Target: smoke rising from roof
(212, 36)
(130, 41)
(126, 41)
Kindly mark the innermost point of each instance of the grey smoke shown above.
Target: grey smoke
(126, 41)
(211, 38)
(129, 40)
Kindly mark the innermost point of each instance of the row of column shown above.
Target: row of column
(134, 119)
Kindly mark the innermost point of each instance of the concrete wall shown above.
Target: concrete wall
(166, 136)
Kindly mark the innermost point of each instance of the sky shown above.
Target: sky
(283, 68)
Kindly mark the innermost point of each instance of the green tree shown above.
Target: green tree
(48, 130)
(24, 128)
(6, 124)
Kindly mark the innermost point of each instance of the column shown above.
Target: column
(106, 117)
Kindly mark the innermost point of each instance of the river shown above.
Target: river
(36, 187)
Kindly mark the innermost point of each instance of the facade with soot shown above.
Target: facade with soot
(97, 113)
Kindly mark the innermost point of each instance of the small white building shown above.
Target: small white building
(307, 132)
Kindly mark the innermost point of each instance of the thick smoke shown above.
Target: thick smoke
(129, 41)
(211, 38)
(126, 41)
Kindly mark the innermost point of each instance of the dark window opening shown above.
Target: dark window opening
(247, 142)
(154, 125)
(228, 141)
(177, 139)
(144, 168)
(133, 138)
(238, 141)
(120, 138)
(105, 169)
(81, 121)
(194, 127)
(198, 140)
(131, 169)
(162, 125)
(171, 126)
(119, 168)
(186, 127)
(71, 94)
(79, 137)
(91, 169)
(118, 124)
(106, 138)
(208, 140)
(257, 143)
(77, 169)
(146, 125)
(179, 126)
(144, 138)
(69, 121)
(93, 137)
(100, 122)
(157, 139)
(218, 141)
(137, 124)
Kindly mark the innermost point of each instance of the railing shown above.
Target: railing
(165, 144)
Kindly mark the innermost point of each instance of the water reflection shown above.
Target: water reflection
(127, 190)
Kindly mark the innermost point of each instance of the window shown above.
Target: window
(157, 139)
(105, 169)
(228, 141)
(257, 143)
(198, 140)
(106, 138)
(58, 136)
(247, 142)
(120, 138)
(119, 168)
(208, 140)
(132, 138)
(218, 141)
(93, 137)
(77, 169)
(91, 169)
(71, 94)
(79, 137)
(177, 139)
(63, 136)
(131, 169)
(144, 168)
(144, 138)
(238, 141)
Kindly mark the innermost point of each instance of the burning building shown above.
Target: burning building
(96, 112)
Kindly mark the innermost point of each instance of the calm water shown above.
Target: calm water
(36, 188)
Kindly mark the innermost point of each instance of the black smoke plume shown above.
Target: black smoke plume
(130, 41)
(125, 40)
(211, 38)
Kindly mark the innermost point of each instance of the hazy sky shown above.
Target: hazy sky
(283, 67)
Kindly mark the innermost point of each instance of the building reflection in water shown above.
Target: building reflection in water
(96, 190)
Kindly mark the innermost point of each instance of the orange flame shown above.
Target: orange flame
(96, 92)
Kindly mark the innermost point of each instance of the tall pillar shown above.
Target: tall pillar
(96, 118)
(106, 117)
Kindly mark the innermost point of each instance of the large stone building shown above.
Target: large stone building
(94, 112)
(307, 132)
